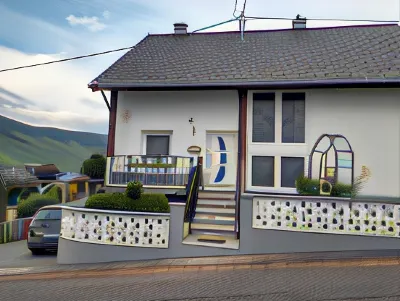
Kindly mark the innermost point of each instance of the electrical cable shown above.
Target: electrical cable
(322, 19)
(204, 28)
(67, 59)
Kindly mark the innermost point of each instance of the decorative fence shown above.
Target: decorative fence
(15, 230)
(133, 229)
(327, 216)
(164, 171)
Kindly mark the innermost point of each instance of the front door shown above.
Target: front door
(219, 172)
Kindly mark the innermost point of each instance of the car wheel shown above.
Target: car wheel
(37, 251)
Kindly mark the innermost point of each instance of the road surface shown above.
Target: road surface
(370, 283)
(16, 254)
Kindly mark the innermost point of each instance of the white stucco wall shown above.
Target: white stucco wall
(370, 120)
(171, 111)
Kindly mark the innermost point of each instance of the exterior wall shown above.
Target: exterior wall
(252, 241)
(368, 118)
(154, 112)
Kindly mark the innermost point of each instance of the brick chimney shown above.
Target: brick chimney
(180, 28)
(299, 23)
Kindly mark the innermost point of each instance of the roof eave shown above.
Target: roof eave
(306, 83)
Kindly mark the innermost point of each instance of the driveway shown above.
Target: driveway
(16, 254)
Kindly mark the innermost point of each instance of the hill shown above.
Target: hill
(22, 143)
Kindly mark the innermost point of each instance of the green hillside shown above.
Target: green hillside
(21, 143)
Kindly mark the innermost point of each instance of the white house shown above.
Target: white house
(256, 107)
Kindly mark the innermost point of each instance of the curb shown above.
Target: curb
(34, 274)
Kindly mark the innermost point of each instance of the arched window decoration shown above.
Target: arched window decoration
(332, 158)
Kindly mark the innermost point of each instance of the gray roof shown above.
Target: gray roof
(351, 53)
(14, 176)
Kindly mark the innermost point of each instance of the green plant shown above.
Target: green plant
(134, 190)
(342, 190)
(147, 202)
(306, 186)
(55, 192)
(95, 167)
(33, 203)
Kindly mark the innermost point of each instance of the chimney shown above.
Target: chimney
(180, 28)
(300, 22)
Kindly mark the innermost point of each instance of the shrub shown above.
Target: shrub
(342, 190)
(55, 192)
(306, 186)
(35, 201)
(95, 167)
(134, 190)
(147, 202)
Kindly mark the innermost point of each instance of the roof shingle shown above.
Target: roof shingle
(327, 53)
(14, 176)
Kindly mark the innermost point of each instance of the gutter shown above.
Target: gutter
(315, 83)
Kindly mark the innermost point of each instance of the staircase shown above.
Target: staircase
(214, 222)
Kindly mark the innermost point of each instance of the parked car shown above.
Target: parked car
(44, 230)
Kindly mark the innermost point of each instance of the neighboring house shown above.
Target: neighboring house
(12, 181)
(256, 107)
(43, 171)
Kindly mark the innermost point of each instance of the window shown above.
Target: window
(264, 117)
(293, 117)
(157, 145)
(54, 214)
(263, 171)
(276, 148)
(291, 168)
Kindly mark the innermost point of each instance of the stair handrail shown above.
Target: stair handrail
(192, 193)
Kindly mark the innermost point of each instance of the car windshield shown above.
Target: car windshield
(49, 214)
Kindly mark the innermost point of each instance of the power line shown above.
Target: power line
(67, 59)
(235, 10)
(321, 19)
(204, 28)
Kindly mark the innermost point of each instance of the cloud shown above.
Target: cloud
(92, 23)
(106, 14)
(52, 95)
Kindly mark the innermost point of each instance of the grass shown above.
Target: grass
(21, 143)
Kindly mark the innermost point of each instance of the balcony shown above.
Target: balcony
(152, 171)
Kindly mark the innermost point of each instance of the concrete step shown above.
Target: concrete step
(216, 202)
(216, 195)
(214, 219)
(217, 211)
(225, 233)
(213, 227)
(198, 240)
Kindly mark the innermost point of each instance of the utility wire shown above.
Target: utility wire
(235, 10)
(67, 59)
(321, 19)
(204, 28)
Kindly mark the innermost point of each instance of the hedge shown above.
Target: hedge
(35, 201)
(148, 202)
(95, 167)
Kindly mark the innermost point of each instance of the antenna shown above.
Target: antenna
(242, 21)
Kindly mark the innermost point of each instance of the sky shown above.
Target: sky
(35, 31)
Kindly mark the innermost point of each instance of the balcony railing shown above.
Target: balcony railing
(160, 171)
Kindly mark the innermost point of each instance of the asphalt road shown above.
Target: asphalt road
(298, 284)
(16, 254)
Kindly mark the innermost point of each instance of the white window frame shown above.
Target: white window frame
(276, 149)
(155, 133)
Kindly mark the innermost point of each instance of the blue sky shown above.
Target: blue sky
(33, 31)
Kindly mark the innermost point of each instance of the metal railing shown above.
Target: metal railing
(192, 193)
(159, 171)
